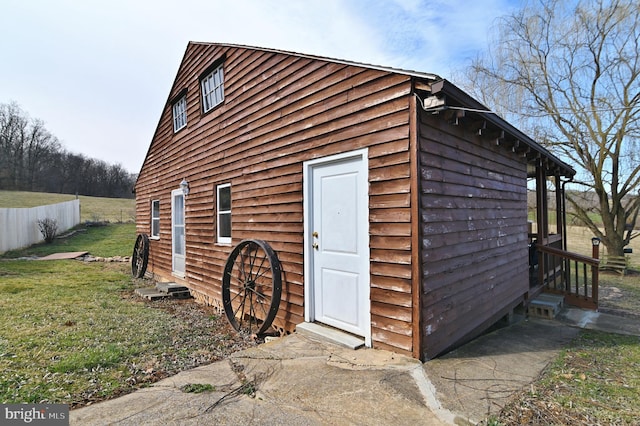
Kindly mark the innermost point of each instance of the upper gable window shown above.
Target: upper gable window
(212, 85)
(180, 113)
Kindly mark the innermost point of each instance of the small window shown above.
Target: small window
(212, 89)
(180, 113)
(155, 219)
(224, 213)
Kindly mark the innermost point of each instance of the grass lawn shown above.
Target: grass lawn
(105, 241)
(91, 208)
(74, 333)
(594, 381)
(67, 331)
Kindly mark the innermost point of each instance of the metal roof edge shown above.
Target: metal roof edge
(328, 59)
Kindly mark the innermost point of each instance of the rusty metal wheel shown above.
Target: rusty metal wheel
(140, 256)
(251, 287)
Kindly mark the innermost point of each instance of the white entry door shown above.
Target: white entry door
(177, 232)
(337, 243)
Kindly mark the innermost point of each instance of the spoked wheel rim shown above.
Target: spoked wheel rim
(140, 256)
(251, 287)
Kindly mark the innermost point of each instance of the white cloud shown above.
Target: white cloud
(98, 73)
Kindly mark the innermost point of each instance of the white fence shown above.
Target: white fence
(19, 227)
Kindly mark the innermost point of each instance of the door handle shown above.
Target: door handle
(315, 246)
(315, 234)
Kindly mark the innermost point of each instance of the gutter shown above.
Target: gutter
(445, 95)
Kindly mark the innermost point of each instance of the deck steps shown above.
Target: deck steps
(545, 306)
(164, 291)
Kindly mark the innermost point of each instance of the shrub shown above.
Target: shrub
(48, 229)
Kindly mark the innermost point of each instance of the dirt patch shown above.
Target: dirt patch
(619, 294)
(199, 335)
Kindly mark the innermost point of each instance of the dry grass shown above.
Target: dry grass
(24, 199)
(618, 294)
(579, 241)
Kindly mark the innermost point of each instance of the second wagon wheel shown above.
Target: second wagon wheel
(140, 256)
(251, 286)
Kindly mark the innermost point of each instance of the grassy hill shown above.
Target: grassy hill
(91, 208)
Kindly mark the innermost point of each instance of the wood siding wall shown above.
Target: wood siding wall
(474, 232)
(279, 111)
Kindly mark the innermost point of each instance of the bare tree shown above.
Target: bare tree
(569, 73)
(39, 146)
(13, 128)
(32, 159)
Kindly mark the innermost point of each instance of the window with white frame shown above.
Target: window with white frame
(212, 86)
(223, 198)
(180, 113)
(155, 219)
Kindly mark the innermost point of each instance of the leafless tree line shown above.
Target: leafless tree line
(33, 159)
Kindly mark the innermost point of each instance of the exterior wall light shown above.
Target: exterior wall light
(595, 252)
(184, 186)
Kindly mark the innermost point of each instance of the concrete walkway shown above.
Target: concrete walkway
(477, 379)
(297, 380)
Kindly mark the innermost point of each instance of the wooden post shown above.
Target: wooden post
(594, 285)
(595, 272)
(559, 211)
(416, 240)
(543, 232)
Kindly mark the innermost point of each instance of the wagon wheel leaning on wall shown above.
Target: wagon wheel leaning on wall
(140, 256)
(251, 287)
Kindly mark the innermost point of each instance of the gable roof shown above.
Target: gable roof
(444, 93)
(327, 59)
(443, 89)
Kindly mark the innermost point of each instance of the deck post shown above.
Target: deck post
(541, 213)
(595, 270)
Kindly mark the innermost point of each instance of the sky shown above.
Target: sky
(98, 73)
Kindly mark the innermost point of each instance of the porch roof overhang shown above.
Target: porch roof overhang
(443, 97)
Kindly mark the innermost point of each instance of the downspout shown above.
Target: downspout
(564, 213)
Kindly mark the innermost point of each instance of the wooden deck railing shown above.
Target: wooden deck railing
(571, 274)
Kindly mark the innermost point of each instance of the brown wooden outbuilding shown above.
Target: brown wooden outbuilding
(396, 203)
